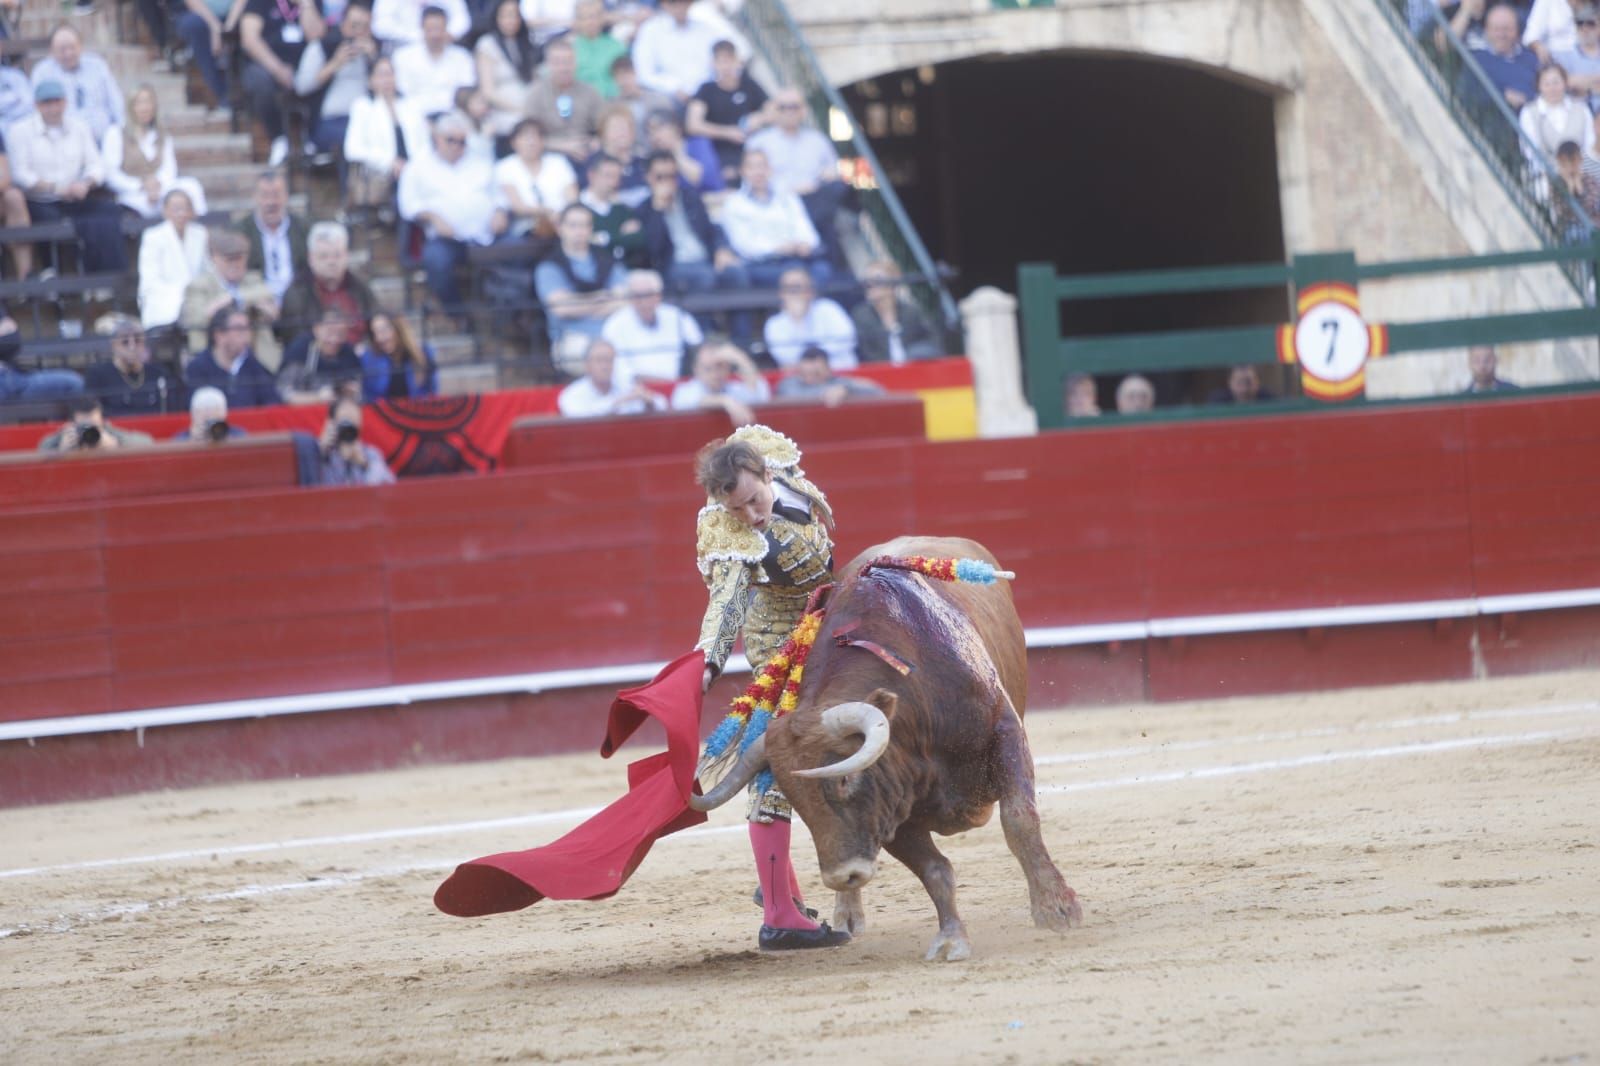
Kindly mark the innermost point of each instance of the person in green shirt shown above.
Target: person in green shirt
(596, 49)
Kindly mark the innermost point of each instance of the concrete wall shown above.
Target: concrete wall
(1369, 158)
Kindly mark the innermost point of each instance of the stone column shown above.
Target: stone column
(990, 319)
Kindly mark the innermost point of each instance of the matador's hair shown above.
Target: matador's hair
(718, 465)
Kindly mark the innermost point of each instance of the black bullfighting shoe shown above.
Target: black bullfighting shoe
(798, 939)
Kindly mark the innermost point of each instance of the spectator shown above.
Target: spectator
(619, 140)
(1551, 28)
(1553, 117)
(651, 339)
(1468, 22)
(29, 386)
(1244, 387)
(1482, 364)
(804, 321)
(473, 105)
(327, 285)
(601, 391)
(338, 65)
(578, 288)
(617, 230)
(803, 162)
(55, 160)
(227, 282)
(129, 384)
(595, 49)
(672, 52)
(88, 430)
(889, 327)
(326, 367)
(547, 19)
(14, 212)
(696, 159)
(208, 418)
(16, 95)
(770, 230)
(227, 363)
(447, 192)
(1135, 395)
(346, 458)
(141, 166)
(171, 255)
(532, 185)
(684, 246)
(813, 379)
(568, 109)
(1083, 397)
(1582, 60)
(727, 109)
(507, 61)
(1511, 68)
(91, 92)
(641, 101)
(399, 22)
(394, 366)
(384, 133)
(429, 71)
(277, 237)
(201, 27)
(724, 377)
(273, 34)
(1584, 189)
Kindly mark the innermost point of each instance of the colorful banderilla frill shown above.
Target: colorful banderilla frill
(776, 688)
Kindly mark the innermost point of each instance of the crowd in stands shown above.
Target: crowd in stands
(669, 218)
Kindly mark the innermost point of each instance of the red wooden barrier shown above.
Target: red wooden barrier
(168, 469)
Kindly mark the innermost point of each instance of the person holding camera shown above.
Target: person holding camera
(346, 458)
(89, 431)
(208, 418)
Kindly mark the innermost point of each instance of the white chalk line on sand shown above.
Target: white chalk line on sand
(67, 922)
(523, 821)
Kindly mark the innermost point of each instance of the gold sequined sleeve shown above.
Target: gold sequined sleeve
(729, 584)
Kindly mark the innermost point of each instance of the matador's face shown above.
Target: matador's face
(751, 500)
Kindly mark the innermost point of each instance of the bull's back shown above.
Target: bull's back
(989, 607)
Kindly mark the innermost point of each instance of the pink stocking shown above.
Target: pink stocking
(770, 842)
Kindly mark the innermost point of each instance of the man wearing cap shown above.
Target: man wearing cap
(55, 161)
(227, 281)
(130, 384)
(92, 93)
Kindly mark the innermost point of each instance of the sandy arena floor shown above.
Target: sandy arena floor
(1402, 875)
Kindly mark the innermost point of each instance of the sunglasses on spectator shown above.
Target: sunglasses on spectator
(794, 288)
(455, 140)
(129, 338)
(789, 107)
(664, 175)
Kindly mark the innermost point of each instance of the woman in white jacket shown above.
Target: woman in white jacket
(141, 166)
(384, 132)
(170, 255)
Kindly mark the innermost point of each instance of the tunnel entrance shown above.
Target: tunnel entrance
(1095, 163)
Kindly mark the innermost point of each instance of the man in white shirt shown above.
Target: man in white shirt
(672, 52)
(770, 230)
(724, 377)
(601, 391)
(447, 192)
(398, 22)
(428, 72)
(92, 93)
(804, 321)
(804, 162)
(651, 337)
(55, 162)
(1551, 28)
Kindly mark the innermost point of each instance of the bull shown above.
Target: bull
(874, 759)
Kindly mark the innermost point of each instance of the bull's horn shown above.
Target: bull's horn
(849, 719)
(751, 762)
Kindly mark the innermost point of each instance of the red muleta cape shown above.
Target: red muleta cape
(594, 859)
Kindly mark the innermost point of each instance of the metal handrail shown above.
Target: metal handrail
(1524, 171)
(783, 46)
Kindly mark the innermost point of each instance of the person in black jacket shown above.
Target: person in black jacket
(889, 327)
(228, 365)
(685, 247)
(130, 384)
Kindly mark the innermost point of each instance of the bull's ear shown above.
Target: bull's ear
(885, 701)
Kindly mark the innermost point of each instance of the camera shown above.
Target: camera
(217, 432)
(347, 433)
(88, 436)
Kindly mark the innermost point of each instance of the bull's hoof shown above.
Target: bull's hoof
(848, 914)
(1059, 913)
(799, 939)
(949, 947)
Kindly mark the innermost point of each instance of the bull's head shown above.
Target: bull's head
(820, 760)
